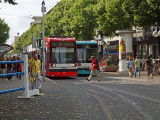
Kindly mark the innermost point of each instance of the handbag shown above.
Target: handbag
(128, 65)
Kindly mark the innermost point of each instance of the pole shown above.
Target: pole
(25, 76)
(44, 42)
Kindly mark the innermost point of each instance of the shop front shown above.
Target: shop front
(143, 47)
(111, 52)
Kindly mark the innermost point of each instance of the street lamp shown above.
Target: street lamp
(156, 32)
(102, 43)
(43, 9)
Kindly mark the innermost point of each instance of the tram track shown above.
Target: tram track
(125, 100)
(104, 106)
(119, 95)
(100, 101)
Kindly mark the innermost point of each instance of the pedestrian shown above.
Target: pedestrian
(143, 62)
(19, 67)
(36, 71)
(149, 66)
(9, 68)
(1, 55)
(94, 68)
(103, 65)
(3, 68)
(137, 67)
(14, 70)
(156, 65)
(130, 66)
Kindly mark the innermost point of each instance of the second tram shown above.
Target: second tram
(86, 49)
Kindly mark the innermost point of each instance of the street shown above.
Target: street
(113, 98)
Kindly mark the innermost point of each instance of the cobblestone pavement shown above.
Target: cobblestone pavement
(114, 98)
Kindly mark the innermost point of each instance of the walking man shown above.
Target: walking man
(137, 67)
(94, 68)
(36, 71)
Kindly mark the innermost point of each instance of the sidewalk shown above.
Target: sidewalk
(16, 83)
(10, 84)
(116, 77)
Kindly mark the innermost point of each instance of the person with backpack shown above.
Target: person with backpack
(94, 68)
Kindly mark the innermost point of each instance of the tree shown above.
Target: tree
(4, 31)
(9, 1)
(79, 18)
(124, 14)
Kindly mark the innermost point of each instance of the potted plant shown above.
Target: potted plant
(109, 66)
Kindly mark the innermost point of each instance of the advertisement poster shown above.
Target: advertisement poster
(122, 49)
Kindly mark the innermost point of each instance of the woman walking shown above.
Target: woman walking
(130, 66)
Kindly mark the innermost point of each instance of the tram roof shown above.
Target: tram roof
(61, 39)
(86, 42)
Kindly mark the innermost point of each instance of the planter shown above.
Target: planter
(111, 69)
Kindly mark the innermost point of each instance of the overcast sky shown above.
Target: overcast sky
(18, 17)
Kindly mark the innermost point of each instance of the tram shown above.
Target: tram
(61, 57)
(86, 49)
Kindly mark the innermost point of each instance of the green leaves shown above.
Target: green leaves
(4, 31)
(9, 1)
(79, 18)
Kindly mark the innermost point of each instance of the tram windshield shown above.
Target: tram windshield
(63, 55)
(84, 55)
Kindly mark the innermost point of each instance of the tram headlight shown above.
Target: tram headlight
(74, 65)
(54, 65)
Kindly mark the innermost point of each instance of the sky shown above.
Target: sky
(18, 17)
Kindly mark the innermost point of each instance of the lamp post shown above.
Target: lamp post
(156, 32)
(43, 9)
(101, 43)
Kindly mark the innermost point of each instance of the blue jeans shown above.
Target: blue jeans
(137, 70)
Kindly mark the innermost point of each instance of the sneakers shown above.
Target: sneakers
(99, 80)
(87, 79)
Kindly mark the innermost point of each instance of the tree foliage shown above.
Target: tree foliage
(9, 1)
(79, 18)
(4, 31)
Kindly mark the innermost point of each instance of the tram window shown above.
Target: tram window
(81, 54)
(62, 43)
(87, 46)
(89, 53)
(63, 55)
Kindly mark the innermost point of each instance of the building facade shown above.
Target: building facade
(145, 44)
